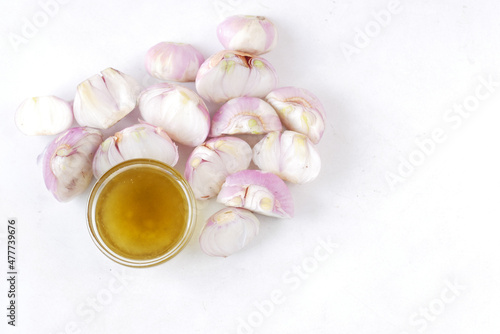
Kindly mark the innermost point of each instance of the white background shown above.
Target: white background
(420, 256)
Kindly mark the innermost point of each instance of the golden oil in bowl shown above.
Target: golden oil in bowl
(141, 213)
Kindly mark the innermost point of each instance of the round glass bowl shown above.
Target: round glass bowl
(141, 213)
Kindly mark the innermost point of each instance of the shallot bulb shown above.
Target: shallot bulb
(137, 141)
(173, 61)
(257, 191)
(230, 74)
(210, 163)
(251, 34)
(299, 110)
(67, 162)
(101, 101)
(245, 115)
(178, 110)
(290, 155)
(228, 231)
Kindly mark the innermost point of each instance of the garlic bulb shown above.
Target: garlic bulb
(228, 231)
(178, 110)
(210, 163)
(252, 34)
(137, 141)
(249, 115)
(173, 61)
(230, 74)
(257, 191)
(43, 115)
(101, 101)
(299, 110)
(290, 155)
(67, 162)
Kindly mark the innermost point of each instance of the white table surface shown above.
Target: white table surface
(360, 256)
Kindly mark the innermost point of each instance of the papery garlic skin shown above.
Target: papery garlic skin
(229, 74)
(173, 61)
(67, 162)
(299, 110)
(178, 110)
(101, 101)
(245, 115)
(135, 142)
(251, 34)
(290, 155)
(257, 191)
(210, 163)
(228, 231)
(43, 115)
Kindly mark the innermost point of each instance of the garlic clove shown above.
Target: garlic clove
(251, 34)
(229, 74)
(173, 61)
(101, 101)
(67, 162)
(235, 153)
(299, 110)
(106, 156)
(43, 115)
(290, 155)
(210, 163)
(266, 153)
(134, 142)
(228, 231)
(205, 173)
(123, 88)
(257, 191)
(245, 115)
(178, 110)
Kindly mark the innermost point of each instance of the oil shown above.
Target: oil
(142, 213)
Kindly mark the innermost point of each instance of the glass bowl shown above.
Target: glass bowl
(141, 213)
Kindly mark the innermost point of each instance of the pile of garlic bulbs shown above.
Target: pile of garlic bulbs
(287, 121)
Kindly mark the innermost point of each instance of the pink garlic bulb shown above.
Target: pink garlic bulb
(67, 162)
(257, 191)
(173, 61)
(210, 163)
(178, 110)
(290, 155)
(137, 141)
(227, 231)
(299, 110)
(229, 74)
(245, 115)
(251, 34)
(101, 101)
